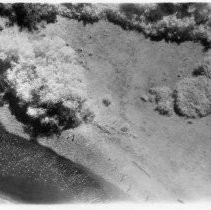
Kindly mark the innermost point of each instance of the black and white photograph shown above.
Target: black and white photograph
(105, 102)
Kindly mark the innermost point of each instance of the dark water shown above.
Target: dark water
(31, 173)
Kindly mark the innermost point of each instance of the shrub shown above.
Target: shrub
(124, 129)
(45, 81)
(87, 115)
(106, 102)
(164, 100)
(193, 97)
(85, 12)
(203, 68)
(130, 9)
(161, 93)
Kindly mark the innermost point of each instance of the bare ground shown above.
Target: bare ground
(151, 157)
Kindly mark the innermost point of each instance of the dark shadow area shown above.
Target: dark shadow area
(175, 105)
(65, 118)
(152, 15)
(31, 173)
(129, 9)
(33, 126)
(4, 66)
(28, 15)
(199, 71)
(21, 190)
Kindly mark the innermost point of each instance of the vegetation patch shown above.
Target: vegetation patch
(29, 15)
(193, 97)
(204, 68)
(176, 22)
(85, 12)
(45, 85)
(106, 102)
(164, 100)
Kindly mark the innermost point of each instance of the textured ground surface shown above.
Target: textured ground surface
(32, 173)
(151, 157)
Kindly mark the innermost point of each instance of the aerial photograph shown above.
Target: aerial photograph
(103, 103)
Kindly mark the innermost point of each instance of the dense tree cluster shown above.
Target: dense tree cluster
(44, 81)
(28, 14)
(170, 21)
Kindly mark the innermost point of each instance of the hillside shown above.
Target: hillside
(148, 156)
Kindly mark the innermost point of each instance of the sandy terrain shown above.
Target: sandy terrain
(149, 156)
